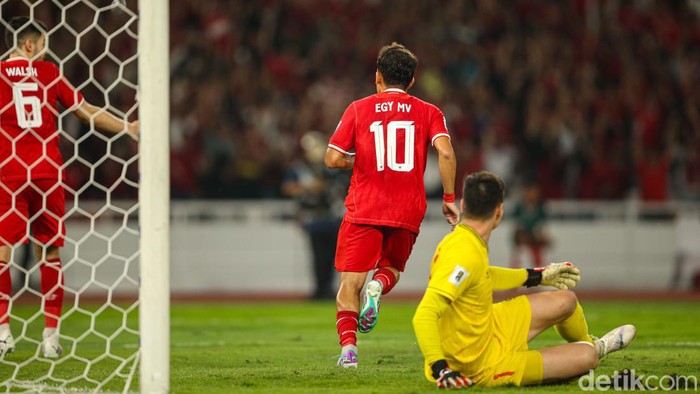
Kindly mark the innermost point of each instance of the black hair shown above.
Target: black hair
(482, 192)
(397, 65)
(20, 28)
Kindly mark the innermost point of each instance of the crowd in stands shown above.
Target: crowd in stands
(592, 99)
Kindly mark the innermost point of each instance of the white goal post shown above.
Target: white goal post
(154, 196)
(111, 332)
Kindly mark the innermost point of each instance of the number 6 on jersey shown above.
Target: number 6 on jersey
(26, 119)
(389, 150)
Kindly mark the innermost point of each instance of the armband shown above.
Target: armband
(448, 197)
(534, 277)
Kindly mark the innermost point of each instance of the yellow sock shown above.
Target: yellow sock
(574, 328)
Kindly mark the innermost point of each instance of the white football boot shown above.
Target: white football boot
(50, 345)
(617, 339)
(7, 342)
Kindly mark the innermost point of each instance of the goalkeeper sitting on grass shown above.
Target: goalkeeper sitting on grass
(467, 339)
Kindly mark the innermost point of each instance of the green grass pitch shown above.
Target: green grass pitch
(265, 348)
(291, 347)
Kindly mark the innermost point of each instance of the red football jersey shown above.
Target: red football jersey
(390, 133)
(29, 93)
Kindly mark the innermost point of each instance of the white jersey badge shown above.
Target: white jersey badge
(458, 275)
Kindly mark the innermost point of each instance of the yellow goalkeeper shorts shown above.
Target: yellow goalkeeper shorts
(509, 361)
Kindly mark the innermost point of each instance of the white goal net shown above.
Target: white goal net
(94, 43)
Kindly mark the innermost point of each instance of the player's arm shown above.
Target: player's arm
(105, 121)
(425, 325)
(337, 159)
(507, 278)
(447, 165)
(339, 153)
(560, 275)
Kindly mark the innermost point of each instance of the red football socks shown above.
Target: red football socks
(346, 324)
(5, 292)
(386, 277)
(52, 289)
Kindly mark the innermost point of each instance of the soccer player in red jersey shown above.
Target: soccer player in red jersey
(32, 196)
(390, 133)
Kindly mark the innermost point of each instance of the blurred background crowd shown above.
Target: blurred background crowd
(589, 99)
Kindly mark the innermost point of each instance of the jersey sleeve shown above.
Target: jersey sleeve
(68, 95)
(450, 274)
(426, 325)
(343, 139)
(507, 278)
(438, 125)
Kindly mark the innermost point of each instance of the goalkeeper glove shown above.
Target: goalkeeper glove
(563, 276)
(447, 378)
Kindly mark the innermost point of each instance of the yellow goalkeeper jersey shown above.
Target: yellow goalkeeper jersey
(460, 272)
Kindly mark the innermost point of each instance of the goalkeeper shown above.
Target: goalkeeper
(467, 339)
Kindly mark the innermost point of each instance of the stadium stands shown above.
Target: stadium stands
(596, 100)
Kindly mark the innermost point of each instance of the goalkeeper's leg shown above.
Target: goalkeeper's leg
(567, 361)
(558, 308)
(574, 328)
(561, 309)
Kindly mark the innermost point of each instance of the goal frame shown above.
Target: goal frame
(154, 196)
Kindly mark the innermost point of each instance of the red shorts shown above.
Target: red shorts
(22, 209)
(362, 248)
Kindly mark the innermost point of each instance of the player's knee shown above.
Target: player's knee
(348, 294)
(586, 358)
(567, 302)
(589, 359)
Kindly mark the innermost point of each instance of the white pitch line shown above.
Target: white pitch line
(183, 344)
(678, 344)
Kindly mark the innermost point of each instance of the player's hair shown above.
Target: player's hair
(482, 193)
(21, 28)
(397, 65)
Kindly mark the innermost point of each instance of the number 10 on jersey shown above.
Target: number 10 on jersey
(388, 150)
